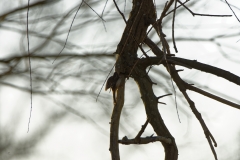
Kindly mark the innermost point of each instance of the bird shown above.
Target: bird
(113, 83)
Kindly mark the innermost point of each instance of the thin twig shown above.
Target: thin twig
(104, 8)
(197, 14)
(30, 69)
(105, 81)
(33, 4)
(69, 31)
(166, 8)
(173, 20)
(182, 87)
(166, 46)
(166, 15)
(120, 11)
(165, 49)
(232, 10)
(93, 10)
(124, 6)
(162, 54)
(164, 95)
(102, 16)
(176, 8)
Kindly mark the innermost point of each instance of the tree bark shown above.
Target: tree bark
(127, 65)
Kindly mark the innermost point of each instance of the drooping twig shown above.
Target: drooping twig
(105, 81)
(30, 69)
(173, 20)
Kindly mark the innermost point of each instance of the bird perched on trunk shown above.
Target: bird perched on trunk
(113, 83)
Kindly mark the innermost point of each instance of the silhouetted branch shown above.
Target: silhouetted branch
(137, 138)
(198, 14)
(69, 30)
(173, 20)
(120, 11)
(212, 96)
(196, 65)
(145, 140)
(232, 10)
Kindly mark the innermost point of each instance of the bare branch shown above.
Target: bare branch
(164, 95)
(137, 138)
(173, 20)
(93, 10)
(181, 85)
(207, 133)
(145, 140)
(69, 29)
(120, 11)
(196, 65)
(30, 70)
(197, 14)
(209, 69)
(207, 94)
(176, 8)
(232, 10)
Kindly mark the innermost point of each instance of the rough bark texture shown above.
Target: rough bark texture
(134, 34)
(151, 106)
